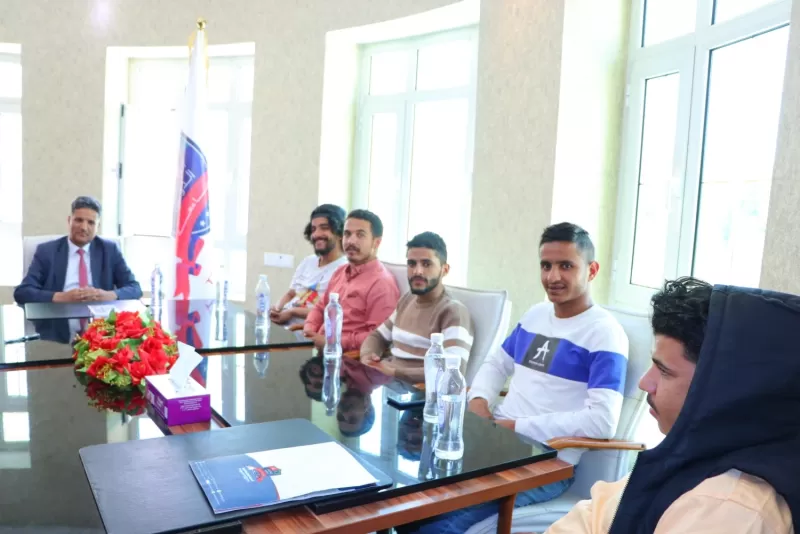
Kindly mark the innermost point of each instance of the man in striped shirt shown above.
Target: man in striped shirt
(398, 346)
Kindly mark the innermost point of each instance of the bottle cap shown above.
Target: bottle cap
(452, 362)
(262, 276)
(437, 338)
(334, 297)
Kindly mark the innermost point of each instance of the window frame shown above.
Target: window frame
(402, 105)
(238, 111)
(690, 54)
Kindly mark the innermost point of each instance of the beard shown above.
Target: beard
(329, 246)
(432, 284)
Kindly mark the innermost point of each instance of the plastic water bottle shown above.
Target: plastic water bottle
(334, 316)
(221, 332)
(443, 468)
(434, 364)
(261, 361)
(262, 299)
(331, 387)
(427, 456)
(452, 400)
(156, 287)
(222, 289)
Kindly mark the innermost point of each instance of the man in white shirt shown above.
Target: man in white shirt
(311, 278)
(567, 360)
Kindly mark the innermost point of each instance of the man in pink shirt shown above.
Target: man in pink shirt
(367, 291)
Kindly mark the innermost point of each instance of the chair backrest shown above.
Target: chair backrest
(31, 242)
(400, 273)
(490, 312)
(611, 465)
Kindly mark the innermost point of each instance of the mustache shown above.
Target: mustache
(353, 248)
(650, 402)
(418, 279)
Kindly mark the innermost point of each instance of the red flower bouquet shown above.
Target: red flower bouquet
(123, 349)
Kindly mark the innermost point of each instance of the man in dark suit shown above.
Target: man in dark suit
(80, 267)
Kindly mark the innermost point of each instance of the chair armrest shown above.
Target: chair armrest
(595, 444)
(352, 354)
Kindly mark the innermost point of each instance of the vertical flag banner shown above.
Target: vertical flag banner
(193, 272)
(191, 322)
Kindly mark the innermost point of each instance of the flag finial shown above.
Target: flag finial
(201, 23)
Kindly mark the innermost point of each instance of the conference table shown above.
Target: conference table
(49, 414)
(40, 340)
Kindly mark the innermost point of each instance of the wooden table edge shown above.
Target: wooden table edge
(396, 511)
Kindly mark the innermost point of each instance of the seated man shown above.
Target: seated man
(567, 360)
(426, 309)
(80, 267)
(312, 276)
(367, 291)
(723, 388)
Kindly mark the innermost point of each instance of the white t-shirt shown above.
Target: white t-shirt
(310, 281)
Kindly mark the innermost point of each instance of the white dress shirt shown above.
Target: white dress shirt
(72, 280)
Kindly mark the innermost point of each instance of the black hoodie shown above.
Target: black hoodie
(742, 410)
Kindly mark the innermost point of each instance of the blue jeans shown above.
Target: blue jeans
(458, 521)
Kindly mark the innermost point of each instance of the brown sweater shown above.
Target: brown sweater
(408, 330)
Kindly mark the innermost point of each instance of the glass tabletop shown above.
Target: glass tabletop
(47, 416)
(197, 323)
(256, 388)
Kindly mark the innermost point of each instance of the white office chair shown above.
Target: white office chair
(31, 242)
(490, 312)
(400, 273)
(608, 465)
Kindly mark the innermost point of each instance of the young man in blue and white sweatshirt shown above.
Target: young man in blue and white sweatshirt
(567, 360)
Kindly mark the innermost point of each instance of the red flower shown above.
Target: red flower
(110, 343)
(157, 359)
(159, 335)
(129, 325)
(121, 359)
(152, 344)
(139, 370)
(95, 337)
(99, 367)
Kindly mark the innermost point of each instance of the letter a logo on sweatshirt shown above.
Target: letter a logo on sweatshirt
(540, 353)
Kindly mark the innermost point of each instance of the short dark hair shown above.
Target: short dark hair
(680, 311)
(369, 414)
(569, 233)
(373, 220)
(86, 202)
(333, 213)
(432, 241)
(305, 372)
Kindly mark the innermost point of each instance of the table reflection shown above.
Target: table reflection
(46, 417)
(299, 384)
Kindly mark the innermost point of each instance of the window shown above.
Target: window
(414, 141)
(150, 153)
(10, 163)
(701, 123)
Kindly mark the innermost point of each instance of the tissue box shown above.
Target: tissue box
(192, 404)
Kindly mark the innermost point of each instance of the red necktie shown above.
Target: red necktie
(83, 273)
(83, 281)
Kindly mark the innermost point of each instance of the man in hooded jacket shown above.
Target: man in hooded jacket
(725, 389)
